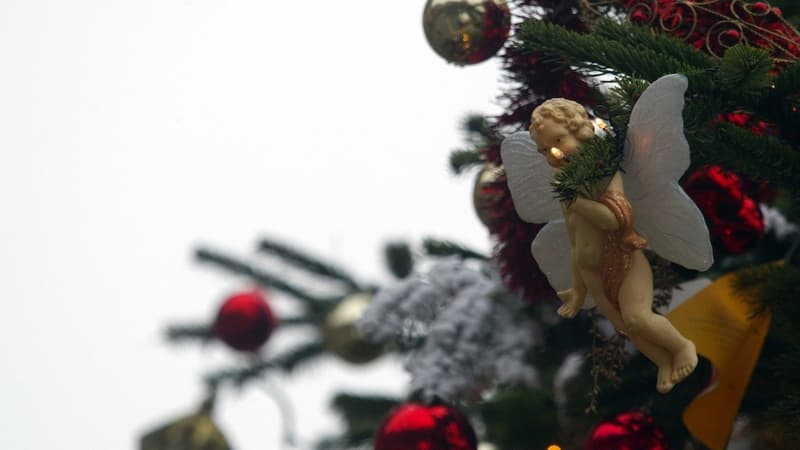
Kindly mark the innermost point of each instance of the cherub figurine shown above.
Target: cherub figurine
(598, 236)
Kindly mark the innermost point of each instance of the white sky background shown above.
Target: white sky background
(131, 131)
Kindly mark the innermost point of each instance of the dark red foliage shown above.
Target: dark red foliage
(732, 214)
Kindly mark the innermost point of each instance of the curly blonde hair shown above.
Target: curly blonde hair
(568, 112)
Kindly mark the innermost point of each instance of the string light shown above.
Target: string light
(600, 123)
(553, 447)
(557, 153)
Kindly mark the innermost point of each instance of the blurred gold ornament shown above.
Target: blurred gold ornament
(466, 31)
(195, 432)
(481, 198)
(341, 334)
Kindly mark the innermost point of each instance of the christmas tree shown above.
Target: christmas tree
(492, 363)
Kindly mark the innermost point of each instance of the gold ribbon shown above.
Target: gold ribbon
(721, 325)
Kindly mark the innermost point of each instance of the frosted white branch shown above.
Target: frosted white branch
(475, 338)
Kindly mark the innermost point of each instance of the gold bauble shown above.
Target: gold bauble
(341, 333)
(466, 31)
(480, 198)
(195, 432)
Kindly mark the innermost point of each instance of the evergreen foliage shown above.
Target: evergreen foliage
(438, 247)
(399, 259)
(599, 159)
(604, 55)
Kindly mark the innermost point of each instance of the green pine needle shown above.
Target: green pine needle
(597, 160)
(463, 160)
(600, 54)
(745, 70)
(645, 37)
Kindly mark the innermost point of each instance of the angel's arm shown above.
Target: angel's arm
(596, 213)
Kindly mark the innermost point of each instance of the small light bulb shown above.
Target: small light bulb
(556, 153)
(553, 447)
(600, 123)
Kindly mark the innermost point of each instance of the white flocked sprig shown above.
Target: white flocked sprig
(473, 337)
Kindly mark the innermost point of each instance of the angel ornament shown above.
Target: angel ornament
(591, 248)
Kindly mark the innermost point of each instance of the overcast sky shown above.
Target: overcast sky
(131, 131)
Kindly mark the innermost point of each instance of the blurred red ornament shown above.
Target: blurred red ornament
(733, 216)
(414, 426)
(628, 431)
(245, 321)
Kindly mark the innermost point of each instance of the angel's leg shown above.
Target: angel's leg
(636, 303)
(659, 356)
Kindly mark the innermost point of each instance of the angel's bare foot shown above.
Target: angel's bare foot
(664, 382)
(684, 362)
(572, 303)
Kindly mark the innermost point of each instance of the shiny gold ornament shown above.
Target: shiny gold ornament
(341, 334)
(466, 31)
(195, 432)
(481, 199)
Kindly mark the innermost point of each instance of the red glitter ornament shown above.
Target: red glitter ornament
(733, 216)
(245, 321)
(414, 426)
(628, 431)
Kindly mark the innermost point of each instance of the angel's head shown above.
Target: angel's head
(559, 126)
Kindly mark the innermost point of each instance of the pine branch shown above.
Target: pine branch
(745, 71)
(437, 247)
(363, 415)
(287, 362)
(621, 99)
(308, 262)
(203, 332)
(602, 55)
(462, 160)
(597, 160)
(264, 278)
(787, 83)
(758, 157)
(364, 406)
(399, 259)
(645, 37)
(297, 321)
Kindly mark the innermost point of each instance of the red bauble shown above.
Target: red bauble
(733, 216)
(628, 431)
(414, 426)
(245, 321)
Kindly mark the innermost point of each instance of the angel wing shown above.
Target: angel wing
(551, 250)
(529, 179)
(656, 155)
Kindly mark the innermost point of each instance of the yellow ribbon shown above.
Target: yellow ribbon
(719, 322)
